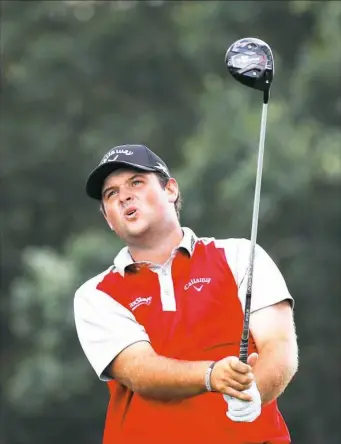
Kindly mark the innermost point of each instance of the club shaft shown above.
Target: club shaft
(244, 344)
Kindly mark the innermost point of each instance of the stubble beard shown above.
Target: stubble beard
(145, 236)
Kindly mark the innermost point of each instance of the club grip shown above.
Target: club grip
(243, 351)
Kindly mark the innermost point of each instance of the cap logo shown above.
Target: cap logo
(161, 167)
(112, 155)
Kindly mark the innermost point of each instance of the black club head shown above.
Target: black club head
(250, 61)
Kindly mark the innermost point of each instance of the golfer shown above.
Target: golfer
(162, 325)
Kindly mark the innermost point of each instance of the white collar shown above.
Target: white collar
(124, 259)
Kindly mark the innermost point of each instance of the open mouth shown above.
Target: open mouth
(130, 213)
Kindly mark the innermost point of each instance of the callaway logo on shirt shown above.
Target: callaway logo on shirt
(196, 281)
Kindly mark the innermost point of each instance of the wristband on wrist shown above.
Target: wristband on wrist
(208, 377)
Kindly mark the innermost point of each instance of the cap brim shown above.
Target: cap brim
(96, 179)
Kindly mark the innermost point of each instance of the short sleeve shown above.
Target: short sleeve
(104, 327)
(268, 285)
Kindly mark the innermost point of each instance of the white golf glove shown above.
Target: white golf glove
(244, 411)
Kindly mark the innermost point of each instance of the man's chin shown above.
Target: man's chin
(136, 231)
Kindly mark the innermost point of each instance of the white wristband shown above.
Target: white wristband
(208, 377)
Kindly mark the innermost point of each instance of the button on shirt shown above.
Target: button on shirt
(189, 308)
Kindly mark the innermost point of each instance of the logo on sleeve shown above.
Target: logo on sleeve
(140, 301)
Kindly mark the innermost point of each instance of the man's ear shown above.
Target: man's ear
(102, 210)
(108, 222)
(172, 189)
(110, 226)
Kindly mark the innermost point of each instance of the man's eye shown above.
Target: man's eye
(137, 182)
(111, 193)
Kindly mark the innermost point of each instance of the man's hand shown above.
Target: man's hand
(232, 377)
(245, 411)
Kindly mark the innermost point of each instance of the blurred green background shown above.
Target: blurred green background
(80, 77)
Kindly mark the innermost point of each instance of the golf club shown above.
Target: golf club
(250, 61)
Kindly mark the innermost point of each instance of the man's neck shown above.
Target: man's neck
(159, 249)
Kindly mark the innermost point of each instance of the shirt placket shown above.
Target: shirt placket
(166, 286)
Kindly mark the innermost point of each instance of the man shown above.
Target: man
(162, 326)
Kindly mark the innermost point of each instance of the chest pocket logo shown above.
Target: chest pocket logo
(197, 283)
(140, 301)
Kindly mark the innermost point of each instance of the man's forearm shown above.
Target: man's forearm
(162, 378)
(277, 363)
(143, 371)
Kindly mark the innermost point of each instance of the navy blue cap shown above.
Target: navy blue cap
(138, 157)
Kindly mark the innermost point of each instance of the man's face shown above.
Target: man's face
(135, 203)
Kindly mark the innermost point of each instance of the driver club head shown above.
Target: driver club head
(250, 61)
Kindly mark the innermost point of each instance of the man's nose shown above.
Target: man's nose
(125, 195)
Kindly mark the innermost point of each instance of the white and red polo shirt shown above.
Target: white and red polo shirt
(189, 308)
